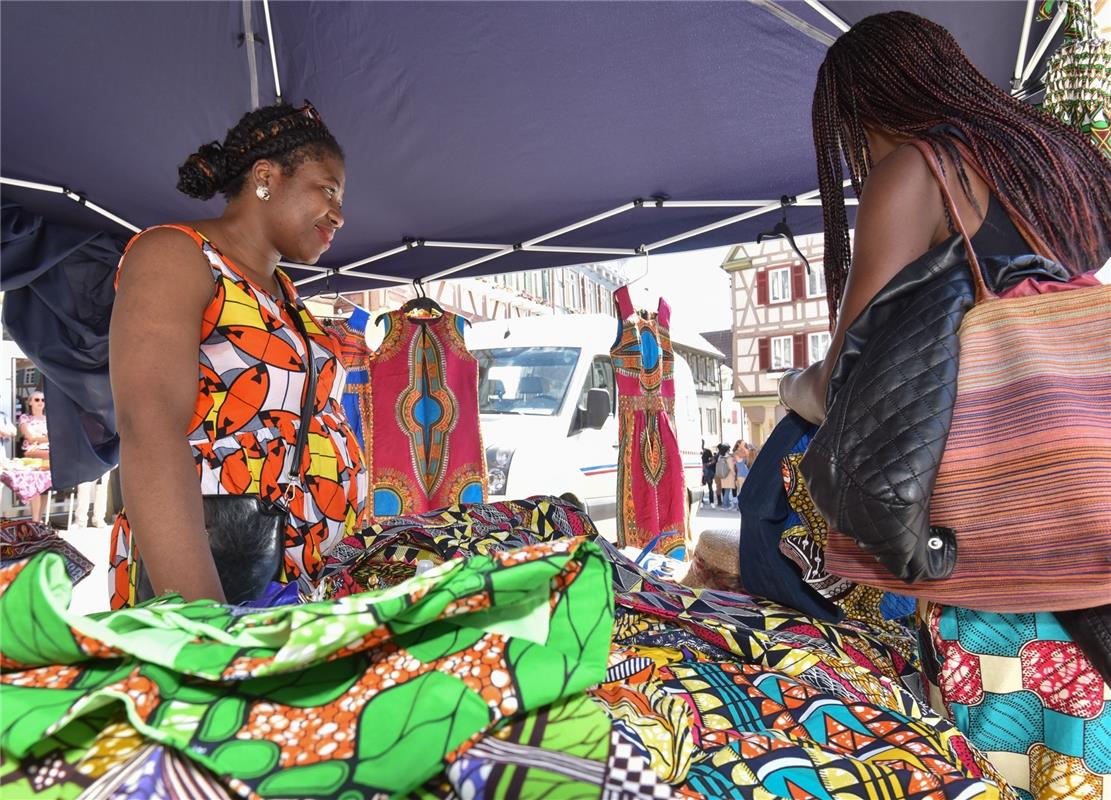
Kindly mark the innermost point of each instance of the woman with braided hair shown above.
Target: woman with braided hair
(208, 361)
(1017, 685)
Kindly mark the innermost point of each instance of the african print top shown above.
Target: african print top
(651, 492)
(425, 450)
(244, 428)
(353, 355)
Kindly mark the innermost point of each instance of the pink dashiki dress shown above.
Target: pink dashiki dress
(651, 492)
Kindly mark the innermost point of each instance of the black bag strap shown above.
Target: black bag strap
(294, 306)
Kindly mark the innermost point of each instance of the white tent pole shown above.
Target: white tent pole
(513, 249)
(41, 187)
(602, 251)
(72, 195)
(482, 260)
(1043, 45)
(829, 15)
(1023, 43)
(467, 245)
(590, 221)
(273, 51)
(309, 267)
(362, 262)
(713, 226)
(707, 203)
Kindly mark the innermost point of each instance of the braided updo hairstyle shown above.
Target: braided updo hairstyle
(902, 74)
(281, 133)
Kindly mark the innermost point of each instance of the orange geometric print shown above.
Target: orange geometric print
(251, 371)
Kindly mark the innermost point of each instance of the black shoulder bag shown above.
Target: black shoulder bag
(246, 533)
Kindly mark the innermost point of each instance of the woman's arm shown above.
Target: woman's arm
(898, 218)
(164, 288)
(25, 430)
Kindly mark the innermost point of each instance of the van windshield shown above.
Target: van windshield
(524, 380)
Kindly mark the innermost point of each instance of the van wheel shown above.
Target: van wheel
(568, 497)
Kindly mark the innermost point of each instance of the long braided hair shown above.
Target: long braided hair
(907, 76)
(281, 133)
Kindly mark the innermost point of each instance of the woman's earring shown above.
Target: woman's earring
(262, 192)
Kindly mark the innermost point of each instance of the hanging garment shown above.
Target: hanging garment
(244, 427)
(651, 492)
(425, 450)
(354, 353)
(58, 290)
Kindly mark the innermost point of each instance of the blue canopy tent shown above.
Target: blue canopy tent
(481, 137)
(484, 124)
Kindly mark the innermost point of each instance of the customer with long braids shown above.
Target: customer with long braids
(1016, 684)
(208, 362)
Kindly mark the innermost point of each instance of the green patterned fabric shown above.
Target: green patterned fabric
(353, 698)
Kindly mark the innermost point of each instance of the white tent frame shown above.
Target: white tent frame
(1024, 70)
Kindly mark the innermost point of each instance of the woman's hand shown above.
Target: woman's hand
(165, 286)
(804, 392)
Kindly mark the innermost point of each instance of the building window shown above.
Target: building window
(816, 282)
(817, 346)
(783, 352)
(779, 285)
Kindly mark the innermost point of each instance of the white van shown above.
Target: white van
(547, 403)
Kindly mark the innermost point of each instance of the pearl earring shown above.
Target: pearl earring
(262, 192)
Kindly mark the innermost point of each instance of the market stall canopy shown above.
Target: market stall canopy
(484, 123)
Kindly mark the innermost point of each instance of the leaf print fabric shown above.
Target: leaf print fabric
(366, 694)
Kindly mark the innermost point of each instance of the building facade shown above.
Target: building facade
(780, 322)
(705, 362)
(581, 289)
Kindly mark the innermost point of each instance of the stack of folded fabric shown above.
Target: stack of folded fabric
(531, 659)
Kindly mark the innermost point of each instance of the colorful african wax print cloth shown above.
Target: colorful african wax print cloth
(360, 697)
(803, 541)
(389, 551)
(711, 695)
(23, 538)
(422, 431)
(567, 749)
(243, 434)
(1078, 75)
(354, 353)
(780, 697)
(1025, 694)
(106, 761)
(651, 491)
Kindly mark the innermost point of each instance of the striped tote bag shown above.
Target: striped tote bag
(1025, 479)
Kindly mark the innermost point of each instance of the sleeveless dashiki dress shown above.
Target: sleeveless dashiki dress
(425, 448)
(651, 491)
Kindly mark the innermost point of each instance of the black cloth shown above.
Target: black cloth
(997, 235)
(765, 571)
(58, 284)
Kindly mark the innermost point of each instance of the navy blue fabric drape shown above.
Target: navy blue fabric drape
(58, 284)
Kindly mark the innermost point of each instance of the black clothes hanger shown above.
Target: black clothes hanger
(422, 302)
(782, 230)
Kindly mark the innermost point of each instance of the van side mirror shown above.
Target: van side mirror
(597, 408)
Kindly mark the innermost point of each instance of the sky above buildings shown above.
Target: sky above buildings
(693, 283)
